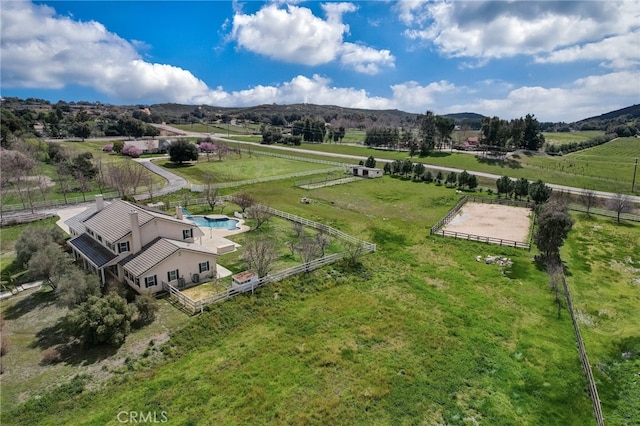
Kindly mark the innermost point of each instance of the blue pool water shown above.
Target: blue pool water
(217, 223)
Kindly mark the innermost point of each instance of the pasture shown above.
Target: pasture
(234, 168)
(419, 332)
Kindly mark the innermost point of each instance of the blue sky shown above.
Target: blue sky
(562, 61)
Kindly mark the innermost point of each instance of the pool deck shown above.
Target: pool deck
(215, 238)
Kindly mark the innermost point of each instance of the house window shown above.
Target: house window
(204, 266)
(187, 233)
(123, 247)
(150, 281)
(172, 275)
(137, 281)
(100, 238)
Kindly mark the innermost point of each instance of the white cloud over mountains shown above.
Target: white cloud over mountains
(294, 34)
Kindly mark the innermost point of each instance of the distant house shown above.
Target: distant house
(145, 146)
(139, 247)
(470, 143)
(362, 171)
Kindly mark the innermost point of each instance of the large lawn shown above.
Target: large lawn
(608, 167)
(603, 267)
(419, 333)
(234, 168)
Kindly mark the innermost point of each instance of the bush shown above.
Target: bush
(51, 356)
(101, 320)
(147, 308)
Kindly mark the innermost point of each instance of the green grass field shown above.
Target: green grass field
(608, 167)
(234, 169)
(605, 285)
(568, 137)
(419, 333)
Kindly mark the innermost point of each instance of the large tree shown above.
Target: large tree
(532, 138)
(505, 185)
(539, 192)
(521, 188)
(426, 132)
(553, 225)
(75, 287)
(182, 150)
(444, 128)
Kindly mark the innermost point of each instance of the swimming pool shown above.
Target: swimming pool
(215, 223)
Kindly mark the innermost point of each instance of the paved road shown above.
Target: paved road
(174, 182)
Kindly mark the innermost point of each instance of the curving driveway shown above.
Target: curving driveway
(174, 182)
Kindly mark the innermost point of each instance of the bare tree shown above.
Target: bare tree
(244, 200)
(588, 199)
(322, 241)
(210, 190)
(126, 177)
(308, 249)
(101, 177)
(84, 183)
(620, 203)
(260, 214)
(354, 251)
(147, 181)
(298, 229)
(260, 255)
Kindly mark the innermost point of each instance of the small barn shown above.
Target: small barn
(367, 172)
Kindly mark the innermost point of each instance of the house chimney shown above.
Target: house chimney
(136, 244)
(179, 214)
(99, 202)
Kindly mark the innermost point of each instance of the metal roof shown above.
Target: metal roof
(157, 251)
(93, 251)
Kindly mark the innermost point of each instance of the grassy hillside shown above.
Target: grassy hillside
(419, 333)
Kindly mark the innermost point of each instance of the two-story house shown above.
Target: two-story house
(139, 246)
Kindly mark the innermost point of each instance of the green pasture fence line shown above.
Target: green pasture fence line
(197, 306)
(482, 239)
(502, 201)
(604, 212)
(584, 359)
(442, 222)
(321, 179)
(200, 188)
(36, 205)
(293, 157)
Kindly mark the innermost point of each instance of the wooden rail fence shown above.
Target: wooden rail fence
(482, 239)
(197, 306)
(584, 359)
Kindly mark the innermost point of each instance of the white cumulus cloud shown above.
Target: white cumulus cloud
(40, 49)
(294, 34)
(498, 29)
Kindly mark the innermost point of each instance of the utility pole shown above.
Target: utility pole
(633, 182)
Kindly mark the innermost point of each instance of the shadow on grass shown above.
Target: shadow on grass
(59, 347)
(37, 299)
(439, 154)
(509, 163)
(170, 165)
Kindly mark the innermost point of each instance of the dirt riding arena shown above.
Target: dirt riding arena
(492, 220)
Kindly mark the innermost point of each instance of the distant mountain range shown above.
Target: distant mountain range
(275, 113)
